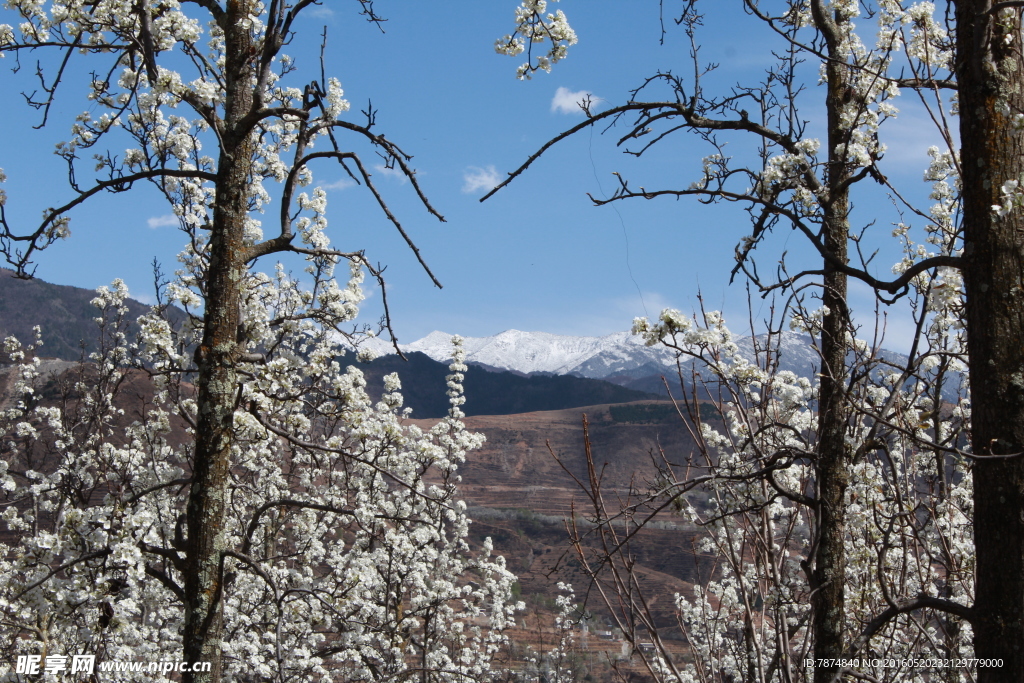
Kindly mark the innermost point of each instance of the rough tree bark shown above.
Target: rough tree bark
(828, 603)
(990, 73)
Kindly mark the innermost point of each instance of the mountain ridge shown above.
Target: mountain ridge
(490, 392)
(67, 321)
(64, 314)
(618, 357)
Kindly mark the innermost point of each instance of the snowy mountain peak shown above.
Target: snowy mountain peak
(434, 340)
(618, 356)
(528, 352)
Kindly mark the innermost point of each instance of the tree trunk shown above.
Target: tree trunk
(990, 74)
(217, 384)
(828, 577)
(828, 603)
(829, 600)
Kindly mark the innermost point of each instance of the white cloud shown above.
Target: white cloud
(170, 220)
(320, 12)
(340, 184)
(646, 304)
(566, 101)
(392, 172)
(907, 140)
(605, 315)
(476, 178)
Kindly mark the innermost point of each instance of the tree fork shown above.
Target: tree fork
(990, 73)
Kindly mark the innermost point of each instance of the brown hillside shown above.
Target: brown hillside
(520, 496)
(515, 468)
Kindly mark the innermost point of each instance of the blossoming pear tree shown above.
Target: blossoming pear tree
(301, 532)
(344, 552)
(789, 179)
(749, 485)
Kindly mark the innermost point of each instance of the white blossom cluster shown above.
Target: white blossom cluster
(534, 27)
(556, 664)
(928, 42)
(1012, 198)
(786, 172)
(944, 288)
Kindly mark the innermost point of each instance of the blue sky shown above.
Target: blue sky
(538, 255)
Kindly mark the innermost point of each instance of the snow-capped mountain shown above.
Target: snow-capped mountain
(530, 352)
(620, 357)
(617, 354)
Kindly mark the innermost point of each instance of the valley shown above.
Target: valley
(521, 486)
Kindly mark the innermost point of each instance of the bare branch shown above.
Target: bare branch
(96, 554)
(118, 184)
